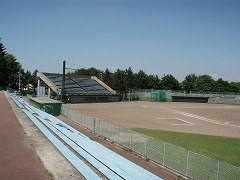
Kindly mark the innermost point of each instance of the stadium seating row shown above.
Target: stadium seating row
(77, 85)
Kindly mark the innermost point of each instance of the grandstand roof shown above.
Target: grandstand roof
(75, 84)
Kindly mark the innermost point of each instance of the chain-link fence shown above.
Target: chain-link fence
(166, 96)
(186, 163)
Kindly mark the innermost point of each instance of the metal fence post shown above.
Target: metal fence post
(145, 95)
(131, 139)
(164, 149)
(118, 134)
(187, 164)
(108, 131)
(87, 122)
(218, 170)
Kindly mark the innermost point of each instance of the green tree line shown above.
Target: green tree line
(120, 80)
(11, 69)
(123, 80)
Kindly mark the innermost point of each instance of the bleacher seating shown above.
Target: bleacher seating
(78, 85)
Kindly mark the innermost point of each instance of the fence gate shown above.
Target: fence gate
(159, 96)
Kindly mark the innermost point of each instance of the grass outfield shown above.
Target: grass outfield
(220, 148)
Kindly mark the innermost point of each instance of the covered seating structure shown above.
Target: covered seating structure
(79, 89)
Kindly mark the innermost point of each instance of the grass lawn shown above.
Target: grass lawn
(220, 148)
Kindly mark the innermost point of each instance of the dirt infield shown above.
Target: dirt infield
(18, 159)
(197, 118)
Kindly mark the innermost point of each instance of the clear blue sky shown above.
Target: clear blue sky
(177, 37)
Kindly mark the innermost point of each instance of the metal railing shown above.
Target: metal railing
(6, 88)
(182, 161)
(166, 96)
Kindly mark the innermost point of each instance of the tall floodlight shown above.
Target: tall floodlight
(63, 81)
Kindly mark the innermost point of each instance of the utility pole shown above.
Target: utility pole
(19, 81)
(63, 81)
(125, 85)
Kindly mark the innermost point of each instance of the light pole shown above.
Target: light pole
(19, 81)
(63, 81)
(126, 85)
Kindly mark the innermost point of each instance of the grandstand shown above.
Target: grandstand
(78, 89)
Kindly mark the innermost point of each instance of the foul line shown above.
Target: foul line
(188, 123)
(204, 119)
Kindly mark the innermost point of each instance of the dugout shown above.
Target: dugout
(189, 99)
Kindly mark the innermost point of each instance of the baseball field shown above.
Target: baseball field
(209, 129)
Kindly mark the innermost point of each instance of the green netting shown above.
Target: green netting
(159, 96)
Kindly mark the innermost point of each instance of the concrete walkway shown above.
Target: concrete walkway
(18, 159)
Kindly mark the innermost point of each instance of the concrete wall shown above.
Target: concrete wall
(224, 100)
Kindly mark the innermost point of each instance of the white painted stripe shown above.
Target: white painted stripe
(181, 124)
(204, 119)
(187, 123)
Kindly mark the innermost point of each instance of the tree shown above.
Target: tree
(2, 50)
(3, 65)
(34, 79)
(122, 79)
(141, 80)
(119, 80)
(222, 86)
(27, 77)
(234, 87)
(189, 83)
(169, 82)
(107, 77)
(88, 72)
(9, 69)
(130, 78)
(205, 83)
(153, 82)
